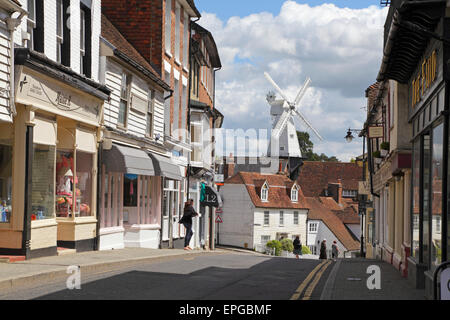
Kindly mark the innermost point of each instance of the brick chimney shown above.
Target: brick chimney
(229, 166)
(335, 191)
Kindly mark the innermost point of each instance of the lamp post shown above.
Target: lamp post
(362, 208)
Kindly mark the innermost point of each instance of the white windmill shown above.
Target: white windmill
(283, 112)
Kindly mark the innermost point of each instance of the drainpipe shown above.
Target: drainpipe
(12, 24)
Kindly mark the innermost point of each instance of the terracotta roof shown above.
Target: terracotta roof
(319, 210)
(348, 215)
(315, 176)
(113, 36)
(279, 190)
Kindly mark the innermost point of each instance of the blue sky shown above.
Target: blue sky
(226, 9)
(339, 47)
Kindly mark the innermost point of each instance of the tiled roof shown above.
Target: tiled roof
(315, 176)
(279, 190)
(320, 210)
(348, 215)
(113, 35)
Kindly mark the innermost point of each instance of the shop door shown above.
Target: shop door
(175, 213)
(165, 218)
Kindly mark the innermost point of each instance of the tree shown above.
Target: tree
(307, 149)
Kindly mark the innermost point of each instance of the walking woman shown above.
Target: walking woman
(323, 250)
(297, 247)
(186, 220)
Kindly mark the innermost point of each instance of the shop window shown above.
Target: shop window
(436, 206)
(426, 198)
(415, 249)
(43, 183)
(130, 190)
(85, 162)
(5, 181)
(64, 183)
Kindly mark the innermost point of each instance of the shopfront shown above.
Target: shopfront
(48, 161)
(130, 199)
(428, 104)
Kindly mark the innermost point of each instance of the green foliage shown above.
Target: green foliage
(275, 244)
(287, 245)
(305, 250)
(307, 147)
(376, 154)
(385, 146)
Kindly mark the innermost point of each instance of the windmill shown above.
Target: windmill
(284, 133)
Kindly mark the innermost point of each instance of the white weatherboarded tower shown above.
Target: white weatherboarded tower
(284, 132)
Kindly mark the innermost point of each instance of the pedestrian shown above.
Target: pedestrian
(297, 247)
(335, 250)
(186, 220)
(323, 250)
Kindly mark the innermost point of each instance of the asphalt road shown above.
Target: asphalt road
(233, 276)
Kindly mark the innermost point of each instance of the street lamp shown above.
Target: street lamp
(362, 203)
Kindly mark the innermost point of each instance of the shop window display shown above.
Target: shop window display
(85, 162)
(43, 183)
(130, 190)
(436, 213)
(5, 181)
(416, 202)
(64, 184)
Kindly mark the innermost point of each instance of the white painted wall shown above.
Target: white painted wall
(274, 226)
(5, 69)
(137, 122)
(324, 233)
(238, 216)
(355, 229)
(50, 33)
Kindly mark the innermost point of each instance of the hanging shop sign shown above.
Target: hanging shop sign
(211, 198)
(45, 93)
(376, 132)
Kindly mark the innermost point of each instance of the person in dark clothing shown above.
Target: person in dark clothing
(323, 250)
(297, 247)
(186, 220)
(335, 250)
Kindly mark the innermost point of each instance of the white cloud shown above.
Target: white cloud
(339, 48)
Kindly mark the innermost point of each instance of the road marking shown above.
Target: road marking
(305, 282)
(313, 284)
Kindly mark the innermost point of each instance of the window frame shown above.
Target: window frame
(315, 229)
(296, 218)
(126, 82)
(59, 30)
(82, 39)
(281, 218)
(31, 22)
(294, 191)
(266, 217)
(150, 115)
(265, 193)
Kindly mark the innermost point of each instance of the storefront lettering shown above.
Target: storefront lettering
(63, 100)
(425, 78)
(34, 89)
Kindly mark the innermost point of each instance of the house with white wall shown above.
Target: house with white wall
(134, 160)
(323, 223)
(258, 208)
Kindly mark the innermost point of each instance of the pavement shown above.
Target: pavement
(35, 272)
(349, 279)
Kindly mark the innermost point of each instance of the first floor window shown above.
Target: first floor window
(5, 180)
(266, 218)
(281, 218)
(150, 114)
(43, 182)
(313, 227)
(296, 218)
(124, 99)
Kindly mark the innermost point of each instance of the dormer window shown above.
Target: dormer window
(294, 193)
(265, 193)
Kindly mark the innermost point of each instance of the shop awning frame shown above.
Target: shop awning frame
(128, 160)
(164, 167)
(405, 46)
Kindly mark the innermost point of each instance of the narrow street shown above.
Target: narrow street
(229, 276)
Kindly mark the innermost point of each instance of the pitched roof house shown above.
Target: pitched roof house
(258, 208)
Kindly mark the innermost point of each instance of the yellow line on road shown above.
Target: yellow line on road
(303, 285)
(316, 280)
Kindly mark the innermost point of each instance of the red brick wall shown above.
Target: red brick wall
(141, 23)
